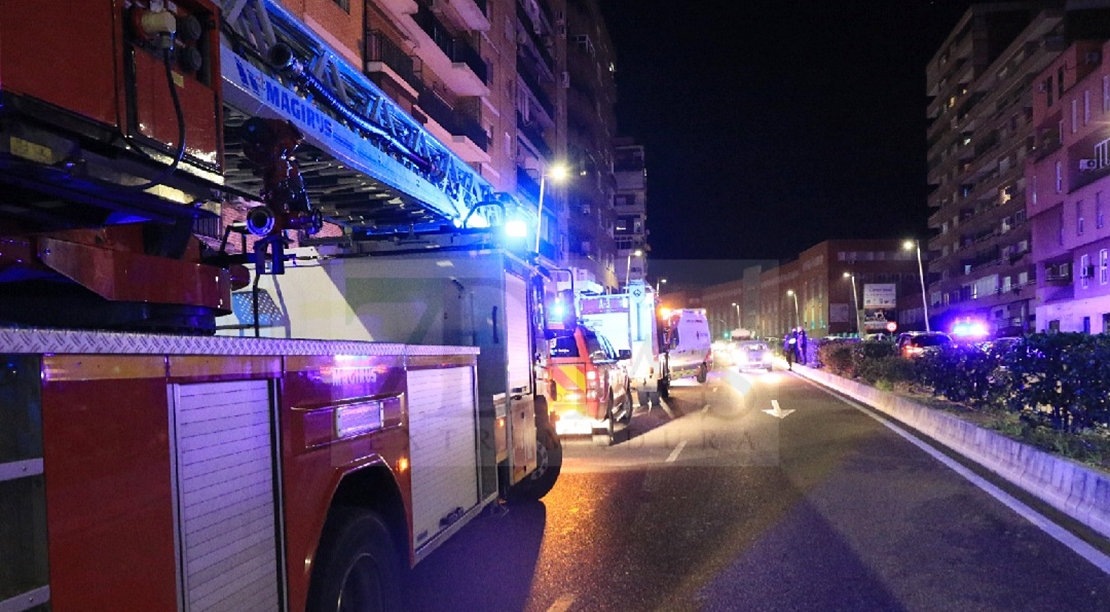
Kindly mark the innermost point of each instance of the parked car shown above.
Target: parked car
(752, 354)
(915, 344)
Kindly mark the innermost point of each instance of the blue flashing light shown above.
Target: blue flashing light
(516, 228)
(970, 329)
(558, 310)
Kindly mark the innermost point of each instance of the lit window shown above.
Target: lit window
(1084, 271)
(1102, 271)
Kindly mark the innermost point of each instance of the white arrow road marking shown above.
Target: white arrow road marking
(777, 412)
(676, 451)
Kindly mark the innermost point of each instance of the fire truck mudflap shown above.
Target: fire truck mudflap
(148, 472)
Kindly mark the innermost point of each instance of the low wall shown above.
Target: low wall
(1080, 492)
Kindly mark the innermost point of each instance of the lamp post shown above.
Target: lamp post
(628, 266)
(797, 317)
(737, 307)
(658, 289)
(855, 301)
(557, 172)
(911, 245)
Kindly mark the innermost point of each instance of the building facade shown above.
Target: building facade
(514, 88)
(1069, 190)
(591, 130)
(630, 206)
(982, 138)
(979, 136)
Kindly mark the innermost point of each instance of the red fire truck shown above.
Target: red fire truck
(147, 463)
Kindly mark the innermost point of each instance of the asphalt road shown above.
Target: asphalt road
(723, 502)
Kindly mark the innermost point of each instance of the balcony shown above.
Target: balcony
(534, 134)
(452, 58)
(383, 55)
(528, 75)
(527, 185)
(468, 14)
(468, 140)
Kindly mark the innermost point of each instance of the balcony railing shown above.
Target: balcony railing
(458, 50)
(455, 123)
(527, 74)
(381, 49)
(527, 185)
(534, 135)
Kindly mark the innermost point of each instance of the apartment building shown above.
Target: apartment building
(591, 130)
(630, 206)
(514, 88)
(981, 139)
(979, 136)
(1069, 190)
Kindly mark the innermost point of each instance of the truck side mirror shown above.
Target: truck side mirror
(624, 354)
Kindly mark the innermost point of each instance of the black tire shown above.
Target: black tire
(664, 388)
(357, 566)
(549, 462)
(611, 422)
(703, 374)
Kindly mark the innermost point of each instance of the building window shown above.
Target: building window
(1059, 177)
(1033, 189)
(1074, 115)
(345, 5)
(1100, 218)
(1106, 94)
(1079, 218)
(1086, 106)
(1103, 274)
(1084, 271)
(1048, 89)
(1086, 325)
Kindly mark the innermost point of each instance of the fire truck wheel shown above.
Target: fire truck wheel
(357, 566)
(703, 373)
(549, 462)
(664, 388)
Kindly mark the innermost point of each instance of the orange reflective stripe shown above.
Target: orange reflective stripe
(569, 377)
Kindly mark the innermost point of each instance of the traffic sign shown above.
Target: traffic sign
(891, 326)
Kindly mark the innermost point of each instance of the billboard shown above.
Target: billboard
(879, 302)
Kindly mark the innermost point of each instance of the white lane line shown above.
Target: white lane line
(1065, 537)
(676, 451)
(562, 604)
(705, 408)
(666, 408)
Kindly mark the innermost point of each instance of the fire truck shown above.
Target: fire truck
(265, 417)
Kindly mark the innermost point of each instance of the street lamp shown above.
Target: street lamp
(661, 281)
(628, 266)
(855, 300)
(737, 307)
(797, 317)
(558, 173)
(910, 245)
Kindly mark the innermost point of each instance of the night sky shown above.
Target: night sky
(773, 125)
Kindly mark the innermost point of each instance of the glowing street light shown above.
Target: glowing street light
(558, 173)
(737, 307)
(628, 266)
(855, 300)
(661, 281)
(910, 245)
(797, 317)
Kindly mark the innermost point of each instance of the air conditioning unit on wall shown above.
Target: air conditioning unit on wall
(1087, 165)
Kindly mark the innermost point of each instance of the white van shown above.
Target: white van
(689, 345)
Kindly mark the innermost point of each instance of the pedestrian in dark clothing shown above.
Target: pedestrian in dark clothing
(790, 348)
(803, 343)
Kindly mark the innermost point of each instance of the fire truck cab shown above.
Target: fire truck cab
(589, 388)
